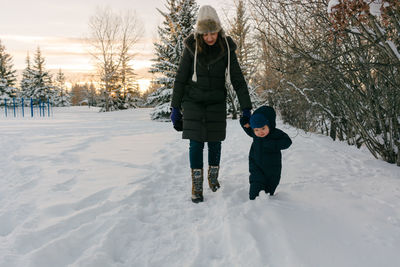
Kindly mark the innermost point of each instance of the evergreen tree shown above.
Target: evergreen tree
(61, 96)
(78, 94)
(27, 79)
(240, 30)
(92, 95)
(129, 92)
(132, 98)
(36, 82)
(178, 22)
(7, 74)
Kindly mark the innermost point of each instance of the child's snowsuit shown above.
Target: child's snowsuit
(265, 158)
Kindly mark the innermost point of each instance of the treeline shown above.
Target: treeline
(36, 82)
(112, 37)
(89, 94)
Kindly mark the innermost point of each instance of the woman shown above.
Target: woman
(200, 93)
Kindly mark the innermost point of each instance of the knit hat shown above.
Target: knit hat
(207, 20)
(258, 120)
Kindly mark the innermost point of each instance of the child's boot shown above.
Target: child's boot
(213, 178)
(197, 185)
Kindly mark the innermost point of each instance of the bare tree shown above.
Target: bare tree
(112, 38)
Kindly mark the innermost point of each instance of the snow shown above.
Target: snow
(374, 6)
(331, 5)
(85, 188)
(394, 48)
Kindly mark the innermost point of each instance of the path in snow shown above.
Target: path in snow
(113, 189)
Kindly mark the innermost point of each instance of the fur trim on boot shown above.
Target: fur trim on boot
(197, 185)
(213, 178)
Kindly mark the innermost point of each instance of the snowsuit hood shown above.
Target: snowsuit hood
(269, 113)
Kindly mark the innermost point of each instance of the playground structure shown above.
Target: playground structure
(20, 108)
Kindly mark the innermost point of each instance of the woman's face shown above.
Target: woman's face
(210, 38)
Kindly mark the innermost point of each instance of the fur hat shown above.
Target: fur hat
(258, 120)
(207, 20)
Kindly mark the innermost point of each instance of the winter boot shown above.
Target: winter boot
(213, 178)
(197, 185)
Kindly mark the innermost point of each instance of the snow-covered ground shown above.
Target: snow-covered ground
(113, 189)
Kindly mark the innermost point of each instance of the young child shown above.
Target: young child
(265, 159)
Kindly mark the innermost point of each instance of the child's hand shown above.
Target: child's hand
(246, 125)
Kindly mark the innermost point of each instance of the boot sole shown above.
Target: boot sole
(214, 188)
(197, 200)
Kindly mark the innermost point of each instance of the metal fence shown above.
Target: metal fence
(20, 108)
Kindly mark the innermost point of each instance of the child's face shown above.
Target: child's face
(261, 132)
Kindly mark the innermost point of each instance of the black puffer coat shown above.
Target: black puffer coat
(204, 102)
(265, 159)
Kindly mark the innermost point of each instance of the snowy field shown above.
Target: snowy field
(113, 189)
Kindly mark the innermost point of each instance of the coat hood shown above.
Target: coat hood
(269, 113)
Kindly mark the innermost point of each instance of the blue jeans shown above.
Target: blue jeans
(196, 154)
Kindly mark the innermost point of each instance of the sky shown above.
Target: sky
(59, 27)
